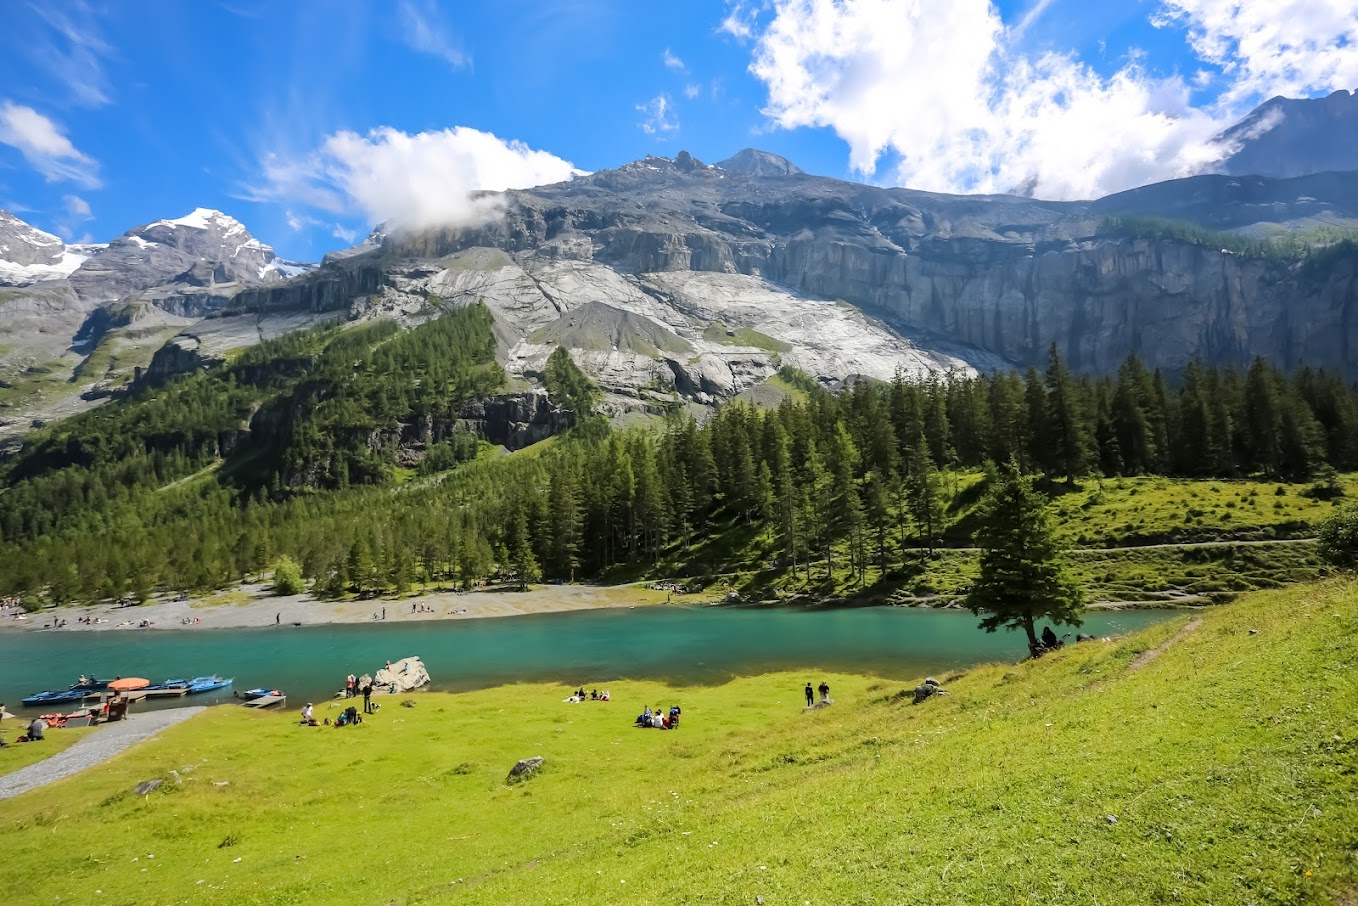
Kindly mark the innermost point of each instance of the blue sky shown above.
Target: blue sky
(114, 115)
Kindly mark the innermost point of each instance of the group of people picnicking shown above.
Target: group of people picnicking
(349, 717)
(659, 719)
(594, 696)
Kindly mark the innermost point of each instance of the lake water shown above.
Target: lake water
(683, 645)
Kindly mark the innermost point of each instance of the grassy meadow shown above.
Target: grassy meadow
(1224, 770)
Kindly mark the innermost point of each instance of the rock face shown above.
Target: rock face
(514, 420)
(671, 280)
(1288, 137)
(1000, 278)
(181, 355)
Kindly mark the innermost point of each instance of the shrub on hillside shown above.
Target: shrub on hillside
(287, 577)
(1339, 538)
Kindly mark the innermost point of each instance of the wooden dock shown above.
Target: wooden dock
(268, 701)
(165, 693)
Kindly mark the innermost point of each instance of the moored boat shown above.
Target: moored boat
(74, 694)
(168, 684)
(251, 694)
(212, 683)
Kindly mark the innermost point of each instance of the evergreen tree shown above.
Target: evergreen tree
(1022, 579)
(1067, 432)
(923, 493)
(1263, 419)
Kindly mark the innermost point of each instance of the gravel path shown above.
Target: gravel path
(102, 744)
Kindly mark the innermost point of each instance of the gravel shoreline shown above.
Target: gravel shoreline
(254, 606)
(100, 746)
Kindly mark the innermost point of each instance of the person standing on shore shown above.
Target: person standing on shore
(367, 699)
(810, 695)
(824, 691)
(278, 619)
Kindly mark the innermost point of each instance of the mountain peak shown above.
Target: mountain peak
(753, 162)
(1287, 137)
(205, 219)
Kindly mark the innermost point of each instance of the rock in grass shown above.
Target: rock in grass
(147, 786)
(525, 768)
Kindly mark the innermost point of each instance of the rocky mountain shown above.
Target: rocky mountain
(28, 255)
(79, 320)
(1287, 137)
(862, 279)
(672, 279)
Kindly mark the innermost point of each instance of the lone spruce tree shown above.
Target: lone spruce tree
(1022, 577)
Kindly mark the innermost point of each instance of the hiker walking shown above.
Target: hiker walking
(810, 696)
(824, 691)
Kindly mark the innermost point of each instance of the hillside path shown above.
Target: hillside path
(1146, 657)
(1184, 545)
(103, 744)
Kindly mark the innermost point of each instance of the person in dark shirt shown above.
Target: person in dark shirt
(810, 696)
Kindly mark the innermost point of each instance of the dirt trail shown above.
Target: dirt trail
(1146, 657)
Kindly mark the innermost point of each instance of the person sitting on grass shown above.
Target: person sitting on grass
(644, 718)
(308, 718)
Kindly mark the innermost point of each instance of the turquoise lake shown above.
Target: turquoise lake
(682, 645)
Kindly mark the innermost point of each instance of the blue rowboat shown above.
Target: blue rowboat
(207, 684)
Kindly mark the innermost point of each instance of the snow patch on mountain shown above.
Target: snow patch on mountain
(24, 274)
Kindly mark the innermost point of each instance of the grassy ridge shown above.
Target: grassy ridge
(1094, 520)
(1230, 764)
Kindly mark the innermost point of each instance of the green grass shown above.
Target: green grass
(1155, 509)
(1230, 764)
(20, 755)
(718, 332)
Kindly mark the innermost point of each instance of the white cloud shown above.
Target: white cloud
(76, 211)
(660, 118)
(418, 181)
(343, 234)
(1283, 47)
(940, 86)
(422, 31)
(45, 147)
(73, 53)
(934, 82)
(77, 207)
(741, 22)
(673, 62)
(1032, 15)
(692, 91)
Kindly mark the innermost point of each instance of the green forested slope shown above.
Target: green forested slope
(293, 449)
